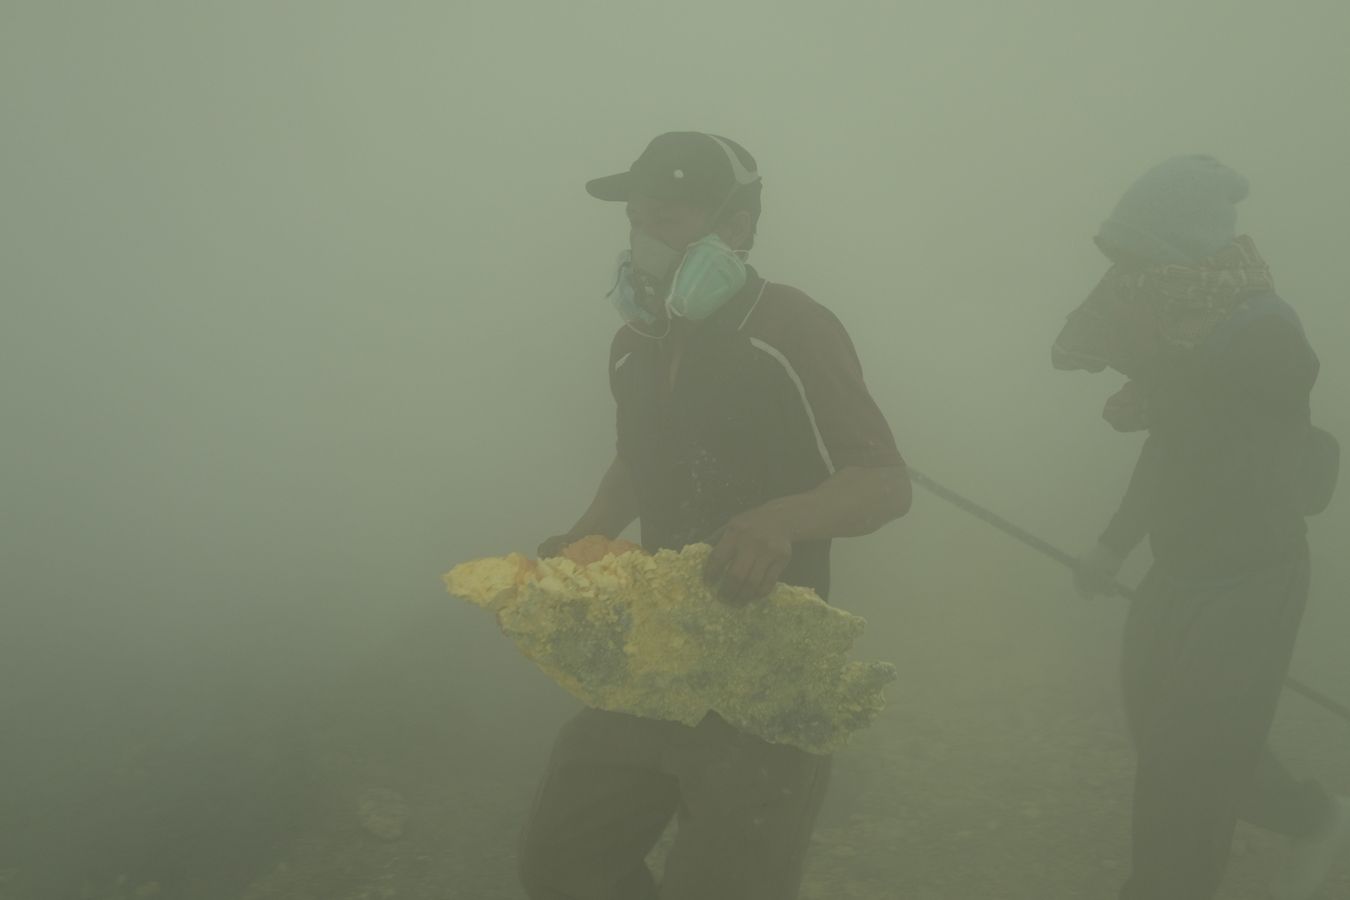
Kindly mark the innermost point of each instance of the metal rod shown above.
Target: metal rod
(1046, 548)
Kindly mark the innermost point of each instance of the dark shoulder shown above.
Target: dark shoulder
(789, 316)
(1272, 331)
(625, 341)
(1271, 344)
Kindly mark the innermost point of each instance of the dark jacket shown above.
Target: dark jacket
(1216, 485)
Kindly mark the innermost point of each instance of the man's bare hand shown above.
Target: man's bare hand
(752, 553)
(555, 545)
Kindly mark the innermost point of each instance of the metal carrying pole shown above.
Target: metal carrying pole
(1069, 561)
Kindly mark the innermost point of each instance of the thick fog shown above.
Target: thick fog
(303, 303)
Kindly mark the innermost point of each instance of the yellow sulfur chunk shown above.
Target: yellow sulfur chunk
(644, 635)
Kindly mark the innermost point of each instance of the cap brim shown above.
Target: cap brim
(610, 187)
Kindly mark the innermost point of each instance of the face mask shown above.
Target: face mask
(652, 259)
(710, 275)
(644, 276)
(637, 307)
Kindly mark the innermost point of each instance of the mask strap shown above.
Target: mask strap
(648, 335)
(744, 177)
(753, 306)
(618, 277)
(674, 280)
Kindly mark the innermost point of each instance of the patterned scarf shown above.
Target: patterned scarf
(1136, 315)
(1189, 302)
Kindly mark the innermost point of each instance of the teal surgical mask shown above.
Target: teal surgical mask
(710, 274)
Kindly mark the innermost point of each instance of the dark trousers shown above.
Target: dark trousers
(745, 812)
(1204, 662)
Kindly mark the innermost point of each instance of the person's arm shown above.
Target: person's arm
(755, 547)
(850, 503)
(869, 485)
(611, 511)
(1130, 524)
(1097, 569)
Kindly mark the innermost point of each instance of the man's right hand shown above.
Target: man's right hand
(1095, 574)
(555, 545)
(613, 509)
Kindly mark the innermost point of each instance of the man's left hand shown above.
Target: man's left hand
(752, 553)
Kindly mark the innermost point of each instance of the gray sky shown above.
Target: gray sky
(307, 257)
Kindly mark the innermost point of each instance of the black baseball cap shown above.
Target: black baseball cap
(687, 166)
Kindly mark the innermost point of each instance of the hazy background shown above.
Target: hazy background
(301, 303)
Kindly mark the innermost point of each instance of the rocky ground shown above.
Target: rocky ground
(999, 770)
